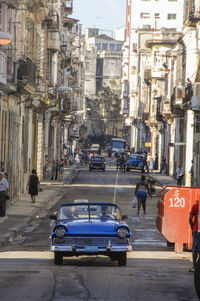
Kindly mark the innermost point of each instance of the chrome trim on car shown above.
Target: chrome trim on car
(82, 249)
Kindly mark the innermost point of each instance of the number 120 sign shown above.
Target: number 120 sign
(177, 202)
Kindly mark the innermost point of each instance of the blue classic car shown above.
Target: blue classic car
(97, 162)
(89, 229)
(136, 162)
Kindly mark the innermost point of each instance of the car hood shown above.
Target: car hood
(94, 226)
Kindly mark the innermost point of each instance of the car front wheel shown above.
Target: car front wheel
(122, 259)
(58, 258)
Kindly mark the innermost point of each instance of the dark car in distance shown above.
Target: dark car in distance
(97, 163)
(136, 161)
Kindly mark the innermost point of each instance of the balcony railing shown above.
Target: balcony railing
(27, 71)
(158, 73)
(69, 6)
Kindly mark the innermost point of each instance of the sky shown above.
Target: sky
(102, 14)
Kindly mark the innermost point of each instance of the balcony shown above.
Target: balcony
(158, 73)
(26, 76)
(34, 5)
(69, 22)
(11, 3)
(179, 96)
(53, 40)
(195, 103)
(69, 6)
(166, 109)
(192, 15)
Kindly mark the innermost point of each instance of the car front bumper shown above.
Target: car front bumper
(86, 245)
(84, 250)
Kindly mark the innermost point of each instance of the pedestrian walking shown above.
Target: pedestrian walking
(3, 194)
(61, 169)
(193, 220)
(118, 163)
(179, 175)
(57, 169)
(123, 163)
(141, 191)
(32, 185)
(151, 164)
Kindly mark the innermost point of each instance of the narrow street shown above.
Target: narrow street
(153, 272)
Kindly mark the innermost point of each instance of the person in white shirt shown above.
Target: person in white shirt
(179, 175)
(3, 193)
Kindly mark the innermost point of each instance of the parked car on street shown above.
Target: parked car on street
(136, 162)
(97, 162)
(90, 229)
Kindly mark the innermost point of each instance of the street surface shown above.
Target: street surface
(153, 272)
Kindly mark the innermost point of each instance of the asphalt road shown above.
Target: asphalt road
(153, 272)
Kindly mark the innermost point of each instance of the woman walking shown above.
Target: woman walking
(141, 191)
(32, 185)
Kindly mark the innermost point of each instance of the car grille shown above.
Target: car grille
(90, 241)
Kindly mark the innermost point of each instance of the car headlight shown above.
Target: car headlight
(60, 231)
(122, 232)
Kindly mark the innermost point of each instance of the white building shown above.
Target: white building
(149, 16)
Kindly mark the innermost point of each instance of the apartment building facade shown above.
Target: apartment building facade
(38, 86)
(152, 42)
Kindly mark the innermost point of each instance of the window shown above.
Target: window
(144, 15)
(171, 16)
(119, 47)
(98, 46)
(112, 47)
(146, 26)
(104, 46)
(157, 16)
(87, 66)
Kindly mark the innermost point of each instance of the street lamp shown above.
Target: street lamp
(5, 38)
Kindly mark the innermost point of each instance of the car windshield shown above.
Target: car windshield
(89, 211)
(96, 158)
(136, 157)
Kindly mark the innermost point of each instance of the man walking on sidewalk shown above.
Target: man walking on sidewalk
(3, 193)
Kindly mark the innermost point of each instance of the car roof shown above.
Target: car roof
(88, 203)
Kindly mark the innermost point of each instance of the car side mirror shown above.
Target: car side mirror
(124, 217)
(53, 216)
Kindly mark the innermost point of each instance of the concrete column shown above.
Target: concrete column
(171, 149)
(189, 146)
(132, 142)
(40, 151)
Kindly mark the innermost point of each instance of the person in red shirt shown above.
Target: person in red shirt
(193, 220)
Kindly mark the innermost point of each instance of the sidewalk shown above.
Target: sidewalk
(20, 213)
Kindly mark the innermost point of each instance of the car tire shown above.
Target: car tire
(113, 257)
(127, 169)
(104, 170)
(58, 258)
(197, 278)
(90, 169)
(122, 259)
